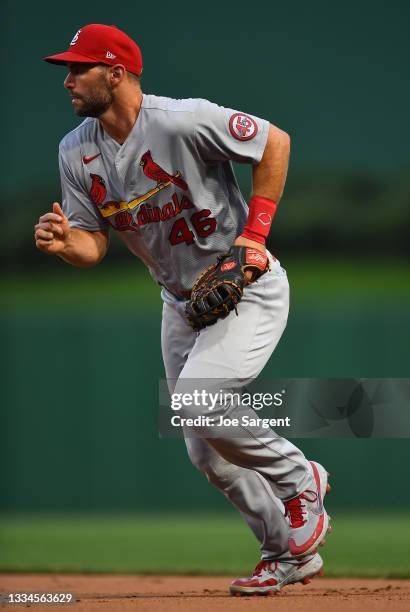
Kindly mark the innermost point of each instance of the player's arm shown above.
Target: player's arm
(74, 231)
(269, 176)
(268, 182)
(223, 134)
(81, 248)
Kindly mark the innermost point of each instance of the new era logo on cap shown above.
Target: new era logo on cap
(90, 43)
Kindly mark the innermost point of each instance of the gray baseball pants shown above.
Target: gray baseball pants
(259, 469)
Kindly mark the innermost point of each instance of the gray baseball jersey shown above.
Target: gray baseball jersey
(169, 190)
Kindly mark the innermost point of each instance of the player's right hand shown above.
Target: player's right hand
(52, 231)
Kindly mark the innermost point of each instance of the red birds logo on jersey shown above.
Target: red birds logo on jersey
(156, 173)
(98, 189)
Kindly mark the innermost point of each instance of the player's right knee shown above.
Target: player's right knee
(218, 472)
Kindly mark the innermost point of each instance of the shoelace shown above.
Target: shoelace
(295, 508)
(262, 565)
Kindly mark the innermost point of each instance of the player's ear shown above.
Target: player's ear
(117, 73)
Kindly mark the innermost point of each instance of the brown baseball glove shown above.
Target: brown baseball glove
(219, 288)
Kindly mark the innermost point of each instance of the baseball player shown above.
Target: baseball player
(158, 171)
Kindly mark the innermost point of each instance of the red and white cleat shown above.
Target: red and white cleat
(269, 577)
(308, 518)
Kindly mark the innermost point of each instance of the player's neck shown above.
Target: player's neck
(120, 118)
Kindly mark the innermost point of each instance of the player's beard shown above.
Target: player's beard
(98, 101)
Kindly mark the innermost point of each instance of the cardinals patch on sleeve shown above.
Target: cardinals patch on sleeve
(242, 127)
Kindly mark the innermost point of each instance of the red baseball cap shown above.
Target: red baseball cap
(98, 43)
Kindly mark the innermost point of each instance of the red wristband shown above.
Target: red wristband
(261, 213)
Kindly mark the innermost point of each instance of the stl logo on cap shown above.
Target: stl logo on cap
(242, 127)
(75, 38)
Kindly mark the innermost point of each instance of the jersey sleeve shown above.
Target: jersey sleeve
(76, 204)
(223, 134)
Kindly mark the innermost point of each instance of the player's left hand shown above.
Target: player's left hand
(240, 241)
(219, 288)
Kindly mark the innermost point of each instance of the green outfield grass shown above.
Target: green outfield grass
(311, 278)
(365, 544)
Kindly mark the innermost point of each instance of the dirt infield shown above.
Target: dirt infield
(201, 593)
